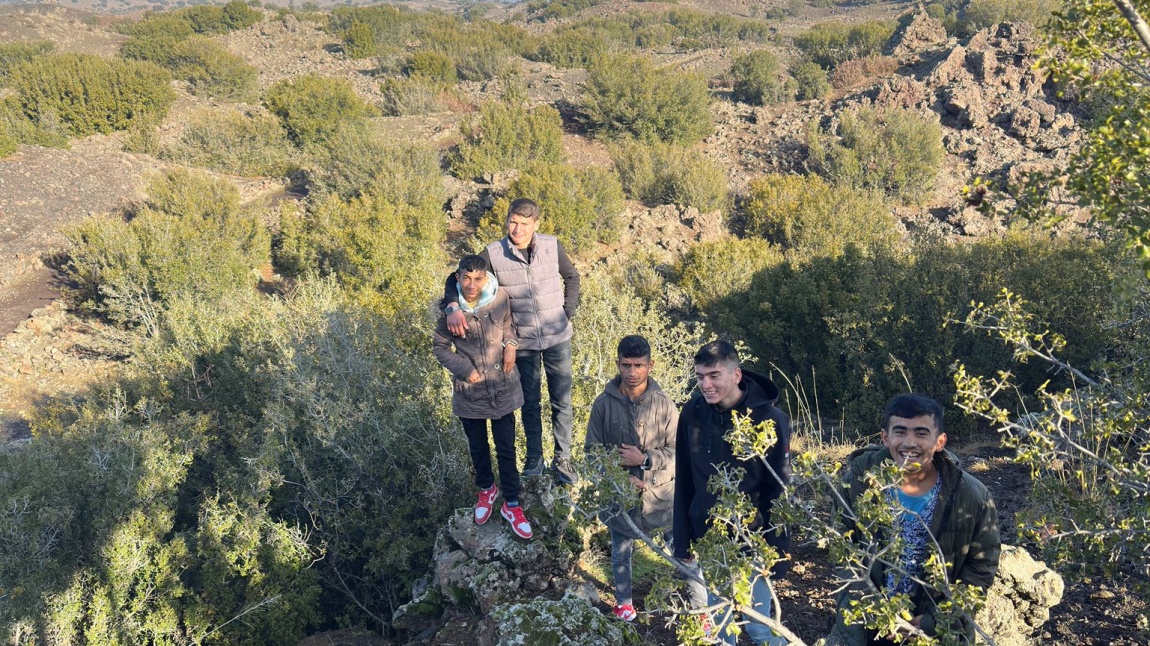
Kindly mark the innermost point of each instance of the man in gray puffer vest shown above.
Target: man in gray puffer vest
(634, 418)
(544, 288)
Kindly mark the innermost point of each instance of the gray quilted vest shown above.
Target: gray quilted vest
(536, 291)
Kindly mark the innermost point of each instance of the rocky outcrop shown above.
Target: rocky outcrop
(916, 32)
(1020, 600)
(484, 567)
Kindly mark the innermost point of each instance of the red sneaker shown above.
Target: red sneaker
(626, 612)
(519, 524)
(484, 504)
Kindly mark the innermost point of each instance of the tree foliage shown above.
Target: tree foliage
(761, 80)
(658, 173)
(628, 95)
(313, 108)
(88, 94)
(504, 135)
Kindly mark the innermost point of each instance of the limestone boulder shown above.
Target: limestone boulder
(1020, 600)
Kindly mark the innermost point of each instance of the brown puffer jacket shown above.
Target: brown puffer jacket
(649, 424)
(965, 525)
(488, 328)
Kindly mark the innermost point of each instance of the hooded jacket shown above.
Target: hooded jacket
(497, 393)
(700, 445)
(648, 423)
(965, 525)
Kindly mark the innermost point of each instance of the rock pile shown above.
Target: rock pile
(1020, 600)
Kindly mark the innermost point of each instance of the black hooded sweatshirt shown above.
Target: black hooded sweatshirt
(700, 445)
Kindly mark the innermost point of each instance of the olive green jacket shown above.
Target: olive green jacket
(965, 525)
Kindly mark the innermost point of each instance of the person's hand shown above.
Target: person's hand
(637, 482)
(457, 323)
(904, 632)
(630, 456)
(474, 377)
(508, 359)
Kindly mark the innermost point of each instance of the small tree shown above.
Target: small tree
(312, 108)
(761, 80)
(627, 95)
(505, 134)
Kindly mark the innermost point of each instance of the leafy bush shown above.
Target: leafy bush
(580, 205)
(760, 79)
(431, 66)
(17, 128)
(831, 43)
(627, 95)
(359, 161)
(898, 151)
(203, 19)
(980, 14)
(88, 94)
(558, 9)
(156, 25)
(856, 323)
(711, 270)
(312, 107)
(813, 218)
(505, 134)
(13, 54)
(810, 81)
(190, 240)
(853, 72)
(667, 174)
(409, 96)
(358, 40)
(209, 69)
(233, 142)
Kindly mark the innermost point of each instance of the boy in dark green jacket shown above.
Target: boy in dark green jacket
(943, 508)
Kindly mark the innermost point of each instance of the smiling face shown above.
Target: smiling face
(520, 229)
(471, 283)
(719, 384)
(913, 441)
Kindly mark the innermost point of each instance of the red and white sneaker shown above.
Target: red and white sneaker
(484, 505)
(626, 612)
(519, 524)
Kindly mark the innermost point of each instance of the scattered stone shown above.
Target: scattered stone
(1019, 602)
(917, 32)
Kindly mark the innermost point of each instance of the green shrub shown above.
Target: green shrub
(431, 66)
(627, 95)
(667, 174)
(8, 142)
(855, 324)
(359, 161)
(190, 240)
(810, 81)
(386, 251)
(813, 218)
(211, 19)
(505, 134)
(580, 205)
(359, 40)
(712, 270)
(558, 9)
(14, 54)
(898, 152)
(831, 43)
(209, 69)
(108, 554)
(232, 142)
(980, 14)
(410, 96)
(760, 79)
(88, 94)
(156, 25)
(312, 108)
(19, 129)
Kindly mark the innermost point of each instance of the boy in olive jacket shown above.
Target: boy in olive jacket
(944, 508)
(485, 386)
(635, 418)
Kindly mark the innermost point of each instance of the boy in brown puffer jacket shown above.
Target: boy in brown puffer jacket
(485, 386)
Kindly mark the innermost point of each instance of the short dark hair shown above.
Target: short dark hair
(472, 263)
(634, 346)
(717, 353)
(910, 405)
(524, 207)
